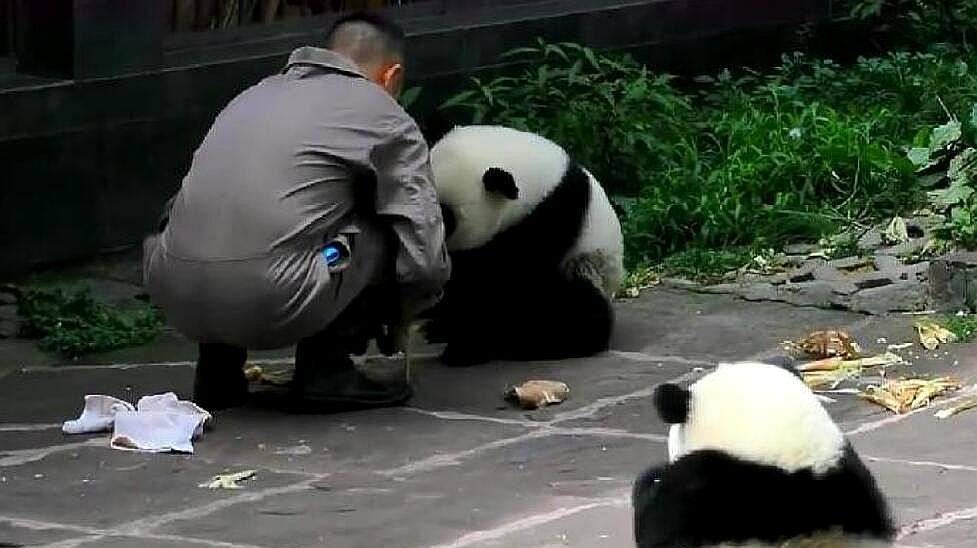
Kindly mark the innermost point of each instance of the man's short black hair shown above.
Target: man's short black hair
(390, 35)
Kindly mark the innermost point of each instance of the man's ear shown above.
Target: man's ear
(501, 182)
(392, 77)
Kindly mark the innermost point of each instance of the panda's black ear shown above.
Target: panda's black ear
(501, 182)
(784, 362)
(672, 403)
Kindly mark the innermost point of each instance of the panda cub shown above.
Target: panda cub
(536, 249)
(756, 461)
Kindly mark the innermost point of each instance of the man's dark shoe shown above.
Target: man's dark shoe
(337, 386)
(219, 381)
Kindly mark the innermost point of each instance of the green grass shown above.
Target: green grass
(705, 265)
(964, 327)
(72, 323)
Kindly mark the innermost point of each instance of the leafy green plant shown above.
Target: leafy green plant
(952, 169)
(615, 116)
(74, 324)
(408, 98)
(963, 326)
(766, 169)
(742, 159)
(706, 265)
(917, 20)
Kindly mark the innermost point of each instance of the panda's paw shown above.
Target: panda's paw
(454, 356)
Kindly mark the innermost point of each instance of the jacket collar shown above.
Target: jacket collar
(319, 58)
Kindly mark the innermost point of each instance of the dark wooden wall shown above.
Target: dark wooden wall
(101, 106)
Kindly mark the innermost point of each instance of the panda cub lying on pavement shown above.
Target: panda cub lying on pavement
(756, 461)
(536, 249)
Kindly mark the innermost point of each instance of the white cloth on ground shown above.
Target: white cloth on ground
(97, 416)
(156, 424)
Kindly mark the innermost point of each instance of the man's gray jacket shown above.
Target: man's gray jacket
(314, 154)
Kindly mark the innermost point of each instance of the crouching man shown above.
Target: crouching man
(309, 217)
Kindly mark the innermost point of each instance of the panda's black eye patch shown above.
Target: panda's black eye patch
(501, 182)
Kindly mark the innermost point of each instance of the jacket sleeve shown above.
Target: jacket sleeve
(406, 198)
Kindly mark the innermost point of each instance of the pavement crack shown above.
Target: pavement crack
(20, 457)
(923, 463)
(455, 416)
(29, 427)
(661, 359)
(443, 460)
(937, 522)
(536, 520)
(145, 526)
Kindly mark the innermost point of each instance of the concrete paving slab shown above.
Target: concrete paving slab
(960, 532)
(20, 535)
(638, 415)
(601, 524)
(434, 503)
(479, 389)
(170, 346)
(923, 437)
(142, 542)
(369, 440)
(56, 395)
(918, 493)
(850, 411)
(460, 467)
(714, 327)
(19, 440)
(99, 487)
(18, 353)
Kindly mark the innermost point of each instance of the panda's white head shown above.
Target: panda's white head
(757, 412)
(490, 177)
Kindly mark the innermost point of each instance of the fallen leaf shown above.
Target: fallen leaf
(884, 398)
(253, 373)
(905, 395)
(881, 360)
(830, 378)
(228, 481)
(536, 394)
(932, 334)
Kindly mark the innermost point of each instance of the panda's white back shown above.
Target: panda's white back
(601, 243)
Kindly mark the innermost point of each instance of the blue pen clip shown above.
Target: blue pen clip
(332, 254)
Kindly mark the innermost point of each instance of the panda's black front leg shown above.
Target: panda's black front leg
(468, 339)
(464, 354)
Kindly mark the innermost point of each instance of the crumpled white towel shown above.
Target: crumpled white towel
(97, 416)
(157, 424)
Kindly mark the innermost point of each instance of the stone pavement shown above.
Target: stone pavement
(457, 468)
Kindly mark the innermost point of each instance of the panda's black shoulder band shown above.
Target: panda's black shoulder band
(672, 402)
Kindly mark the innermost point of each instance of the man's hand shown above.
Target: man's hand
(397, 328)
